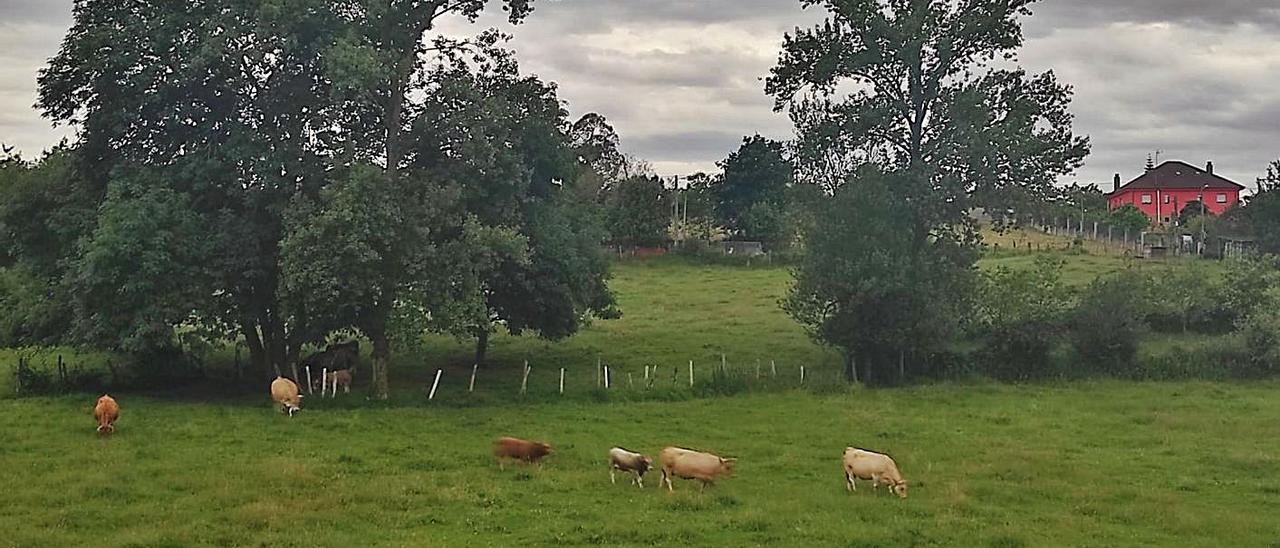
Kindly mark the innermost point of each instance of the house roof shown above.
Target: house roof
(1178, 175)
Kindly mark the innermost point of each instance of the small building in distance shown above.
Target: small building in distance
(1165, 190)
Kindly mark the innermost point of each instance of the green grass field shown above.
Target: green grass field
(1103, 464)
(1083, 463)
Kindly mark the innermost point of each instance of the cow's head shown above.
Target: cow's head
(291, 409)
(727, 465)
(900, 489)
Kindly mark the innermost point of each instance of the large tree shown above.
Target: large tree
(904, 100)
(912, 84)
(507, 139)
(238, 111)
(751, 194)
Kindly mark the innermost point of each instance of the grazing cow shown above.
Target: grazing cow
(285, 393)
(690, 464)
(335, 357)
(518, 449)
(341, 377)
(625, 461)
(877, 467)
(106, 411)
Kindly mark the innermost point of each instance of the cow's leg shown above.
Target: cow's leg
(640, 481)
(611, 478)
(667, 478)
(848, 482)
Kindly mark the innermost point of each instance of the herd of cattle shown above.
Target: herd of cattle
(675, 462)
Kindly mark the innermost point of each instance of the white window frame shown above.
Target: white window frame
(1146, 199)
(1168, 199)
(1222, 198)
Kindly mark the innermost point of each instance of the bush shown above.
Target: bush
(1107, 322)
(1022, 314)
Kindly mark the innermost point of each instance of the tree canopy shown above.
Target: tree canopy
(276, 171)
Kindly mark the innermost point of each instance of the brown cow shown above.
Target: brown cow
(622, 460)
(285, 393)
(106, 411)
(690, 464)
(518, 449)
(877, 467)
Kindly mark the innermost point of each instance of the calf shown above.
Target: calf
(518, 449)
(340, 378)
(690, 464)
(285, 393)
(106, 411)
(877, 467)
(625, 461)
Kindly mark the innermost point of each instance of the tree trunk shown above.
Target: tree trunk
(381, 357)
(851, 367)
(902, 366)
(257, 354)
(482, 346)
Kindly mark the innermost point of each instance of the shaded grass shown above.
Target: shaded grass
(1105, 463)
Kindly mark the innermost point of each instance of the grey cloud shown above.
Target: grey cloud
(679, 79)
(1191, 13)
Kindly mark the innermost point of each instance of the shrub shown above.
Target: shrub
(1108, 320)
(1022, 314)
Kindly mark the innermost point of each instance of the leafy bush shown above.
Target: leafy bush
(1108, 320)
(1022, 315)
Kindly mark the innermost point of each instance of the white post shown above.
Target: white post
(524, 382)
(802, 374)
(310, 389)
(646, 372)
(757, 369)
(690, 372)
(471, 387)
(324, 381)
(606, 377)
(435, 384)
(335, 387)
(630, 381)
(773, 365)
(722, 362)
(562, 380)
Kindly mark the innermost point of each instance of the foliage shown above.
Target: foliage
(751, 193)
(638, 212)
(927, 95)
(1108, 321)
(1022, 314)
(1260, 333)
(1262, 214)
(1187, 297)
(872, 285)
(1128, 218)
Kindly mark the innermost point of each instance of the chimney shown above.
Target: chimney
(1209, 168)
(1115, 184)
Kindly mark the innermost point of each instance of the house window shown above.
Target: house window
(1146, 198)
(1222, 198)
(1168, 199)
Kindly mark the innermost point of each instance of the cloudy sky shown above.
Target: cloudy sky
(681, 80)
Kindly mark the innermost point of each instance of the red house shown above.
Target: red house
(1163, 191)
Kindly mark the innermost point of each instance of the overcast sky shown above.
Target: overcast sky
(681, 80)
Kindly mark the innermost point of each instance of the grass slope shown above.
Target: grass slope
(1104, 464)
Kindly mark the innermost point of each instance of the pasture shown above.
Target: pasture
(1081, 463)
(1104, 464)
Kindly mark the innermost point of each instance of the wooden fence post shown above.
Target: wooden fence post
(324, 380)
(802, 374)
(606, 377)
(472, 386)
(690, 373)
(561, 381)
(310, 383)
(773, 365)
